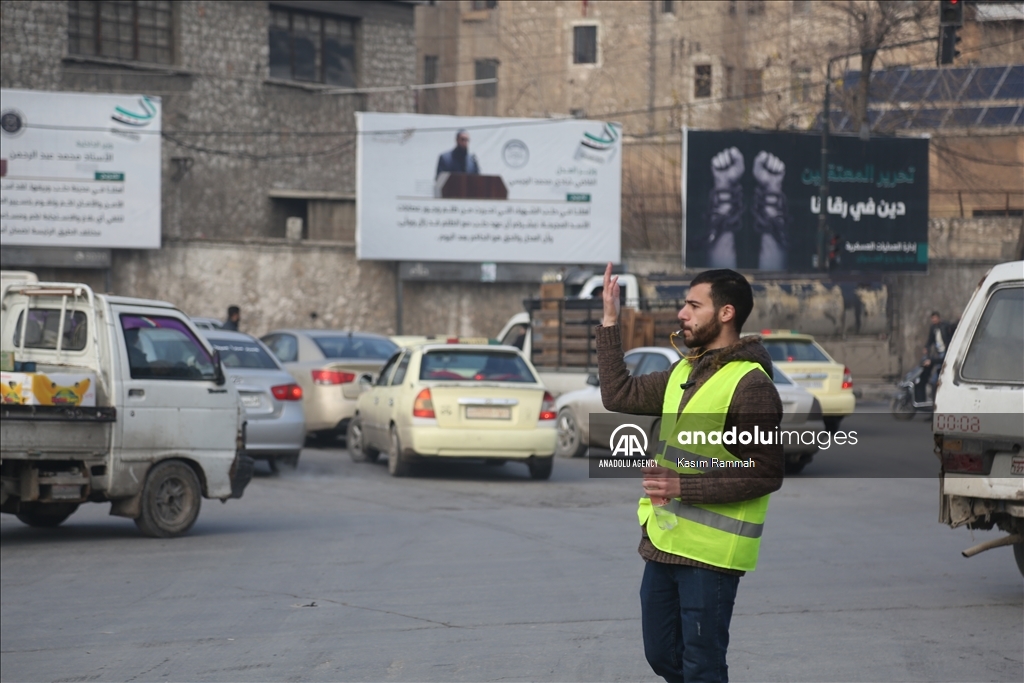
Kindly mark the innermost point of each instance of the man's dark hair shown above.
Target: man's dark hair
(233, 310)
(729, 287)
(936, 314)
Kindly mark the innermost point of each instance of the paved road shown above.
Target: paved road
(471, 573)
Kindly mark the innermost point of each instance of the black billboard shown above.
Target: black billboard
(751, 201)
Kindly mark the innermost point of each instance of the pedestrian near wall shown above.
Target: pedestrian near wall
(700, 532)
(233, 319)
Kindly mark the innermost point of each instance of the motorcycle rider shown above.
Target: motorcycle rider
(939, 335)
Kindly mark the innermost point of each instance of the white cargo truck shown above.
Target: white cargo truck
(112, 399)
(978, 421)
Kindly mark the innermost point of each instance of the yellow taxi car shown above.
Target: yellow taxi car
(811, 367)
(455, 401)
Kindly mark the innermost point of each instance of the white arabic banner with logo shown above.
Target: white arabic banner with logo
(79, 170)
(518, 191)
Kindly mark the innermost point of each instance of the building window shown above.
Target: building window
(800, 84)
(136, 31)
(755, 7)
(752, 83)
(667, 6)
(584, 45)
(428, 101)
(486, 68)
(312, 48)
(484, 4)
(729, 76)
(702, 80)
(801, 6)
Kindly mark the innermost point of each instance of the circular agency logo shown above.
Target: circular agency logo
(515, 153)
(12, 122)
(632, 443)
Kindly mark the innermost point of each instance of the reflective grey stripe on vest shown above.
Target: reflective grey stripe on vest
(713, 519)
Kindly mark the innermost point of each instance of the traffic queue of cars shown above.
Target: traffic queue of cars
(414, 399)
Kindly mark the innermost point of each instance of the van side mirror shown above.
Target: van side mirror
(219, 377)
(365, 379)
(593, 380)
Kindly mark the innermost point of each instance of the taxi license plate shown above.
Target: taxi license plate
(1017, 465)
(810, 383)
(488, 413)
(251, 400)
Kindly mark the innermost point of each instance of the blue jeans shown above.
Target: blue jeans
(686, 614)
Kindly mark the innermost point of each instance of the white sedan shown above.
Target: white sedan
(574, 409)
(455, 401)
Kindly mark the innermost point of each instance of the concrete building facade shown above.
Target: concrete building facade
(258, 126)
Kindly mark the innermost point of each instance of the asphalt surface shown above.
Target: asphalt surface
(335, 571)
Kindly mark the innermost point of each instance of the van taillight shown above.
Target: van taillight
(287, 392)
(847, 379)
(547, 407)
(332, 377)
(423, 406)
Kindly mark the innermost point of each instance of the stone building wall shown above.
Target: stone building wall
(232, 135)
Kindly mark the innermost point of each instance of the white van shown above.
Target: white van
(979, 414)
(112, 399)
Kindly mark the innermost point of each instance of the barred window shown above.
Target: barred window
(584, 45)
(136, 30)
(702, 80)
(486, 68)
(312, 48)
(753, 83)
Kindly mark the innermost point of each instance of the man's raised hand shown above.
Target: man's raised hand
(610, 295)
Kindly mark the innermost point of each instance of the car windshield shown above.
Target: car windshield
(475, 366)
(353, 346)
(799, 350)
(243, 354)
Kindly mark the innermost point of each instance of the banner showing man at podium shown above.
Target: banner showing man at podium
(529, 190)
(458, 160)
(458, 175)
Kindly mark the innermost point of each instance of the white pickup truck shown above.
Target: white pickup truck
(115, 399)
(565, 377)
(978, 421)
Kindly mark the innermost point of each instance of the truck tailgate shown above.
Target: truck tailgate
(34, 431)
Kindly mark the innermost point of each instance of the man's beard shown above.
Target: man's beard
(703, 335)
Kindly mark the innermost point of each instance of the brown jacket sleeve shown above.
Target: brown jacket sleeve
(620, 391)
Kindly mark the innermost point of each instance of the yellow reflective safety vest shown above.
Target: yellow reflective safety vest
(724, 535)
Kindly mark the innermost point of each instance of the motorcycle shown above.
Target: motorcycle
(911, 394)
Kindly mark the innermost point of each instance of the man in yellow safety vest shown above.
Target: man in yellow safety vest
(718, 459)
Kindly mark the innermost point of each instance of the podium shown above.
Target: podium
(470, 186)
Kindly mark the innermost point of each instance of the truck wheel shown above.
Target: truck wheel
(355, 441)
(45, 515)
(1018, 554)
(570, 438)
(170, 500)
(540, 468)
(397, 465)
